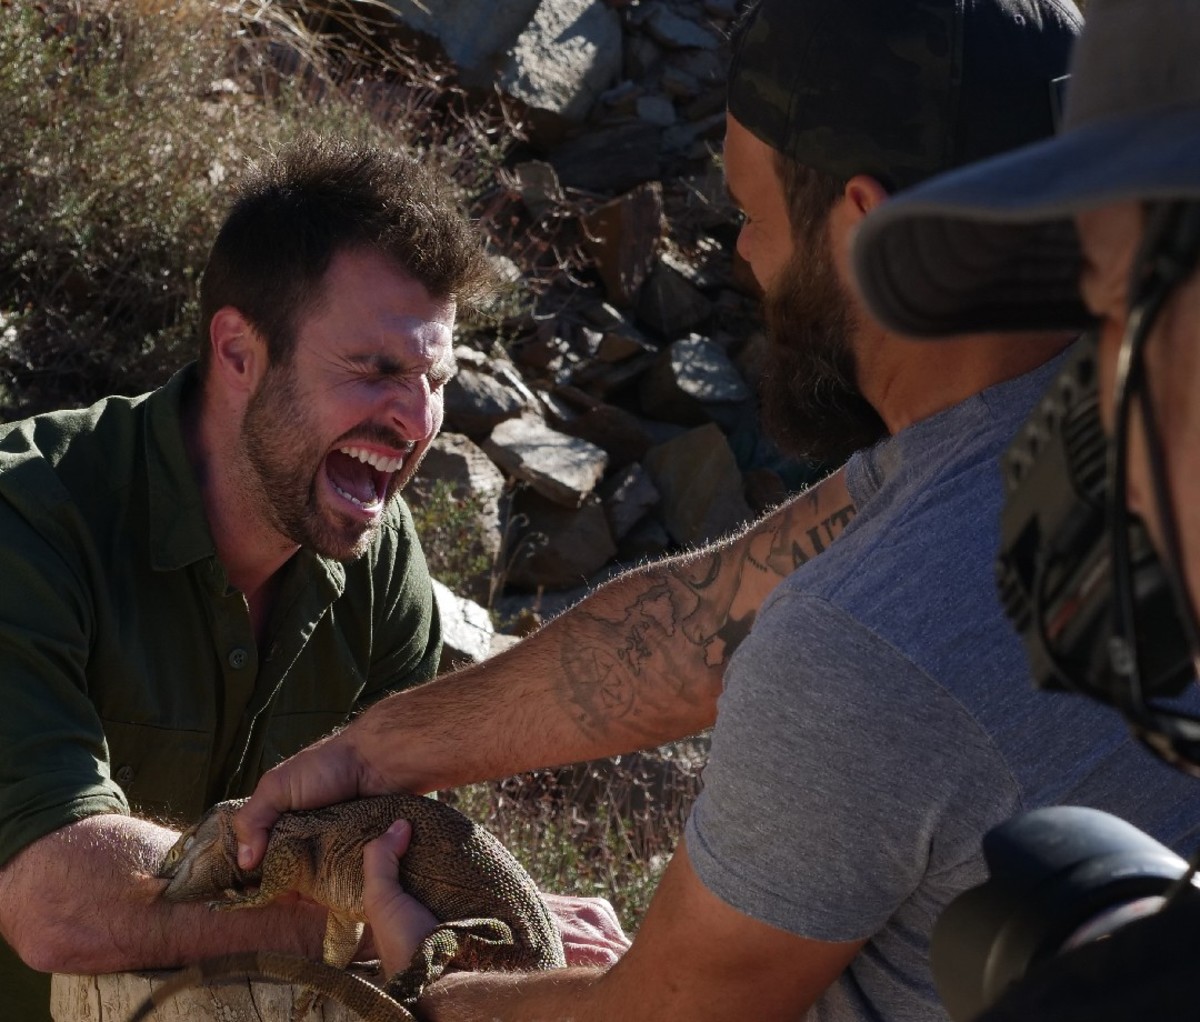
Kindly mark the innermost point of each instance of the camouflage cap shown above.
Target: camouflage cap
(899, 89)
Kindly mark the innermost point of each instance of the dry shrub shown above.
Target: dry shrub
(126, 126)
(605, 828)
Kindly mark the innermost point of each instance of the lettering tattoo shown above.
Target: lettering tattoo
(629, 671)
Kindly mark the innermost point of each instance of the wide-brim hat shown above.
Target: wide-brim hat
(993, 246)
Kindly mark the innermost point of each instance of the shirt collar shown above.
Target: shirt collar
(179, 533)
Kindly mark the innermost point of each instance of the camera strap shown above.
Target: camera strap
(1167, 256)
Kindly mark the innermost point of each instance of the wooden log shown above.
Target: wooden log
(113, 998)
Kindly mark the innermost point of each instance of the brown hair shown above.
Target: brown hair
(316, 197)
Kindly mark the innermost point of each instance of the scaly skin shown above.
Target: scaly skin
(494, 917)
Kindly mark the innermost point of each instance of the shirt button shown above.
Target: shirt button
(238, 658)
(124, 775)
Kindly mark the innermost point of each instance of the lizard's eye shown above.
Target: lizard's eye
(177, 850)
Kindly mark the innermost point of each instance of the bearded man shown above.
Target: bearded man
(200, 581)
(875, 721)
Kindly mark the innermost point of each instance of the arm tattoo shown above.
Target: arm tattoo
(674, 639)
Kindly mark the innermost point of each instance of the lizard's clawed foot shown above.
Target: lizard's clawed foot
(452, 943)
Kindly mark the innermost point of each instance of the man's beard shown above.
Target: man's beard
(280, 443)
(812, 407)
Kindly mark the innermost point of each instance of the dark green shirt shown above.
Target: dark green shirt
(130, 679)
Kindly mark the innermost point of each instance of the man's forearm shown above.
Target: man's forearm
(637, 663)
(84, 900)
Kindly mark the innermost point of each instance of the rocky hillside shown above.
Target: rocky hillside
(612, 416)
(605, 409)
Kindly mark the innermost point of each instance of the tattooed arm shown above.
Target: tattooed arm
(637, 663)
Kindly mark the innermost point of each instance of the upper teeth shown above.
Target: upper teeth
(377, 461)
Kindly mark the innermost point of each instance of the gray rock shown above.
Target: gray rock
(539, 187)
(643, 56)
(602, 378)
(540, 351)
(467, 631)
(610, 160)
(558, 547)
(486, 390)
(627, 498)
(700, 484)
(622, 236)
(675, 31)
(473, 35)
(501, 642)
(621, 99)
(555, 410)
(670, 303)
(475, 402)
(707, 113)
(606, 316)
(453, 459)
(555, 56)
(657, 110)
(566, 56)
(619, 345)
(703, 65)
(693, 139)
(563, 468)
(619, 433)
(647, 540)
(691, 377)
(680, 84)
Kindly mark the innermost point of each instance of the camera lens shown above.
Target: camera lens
(1058, 877)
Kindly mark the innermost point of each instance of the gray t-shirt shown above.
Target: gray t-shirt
(879, 719)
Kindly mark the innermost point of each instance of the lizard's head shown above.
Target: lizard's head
(202, 864)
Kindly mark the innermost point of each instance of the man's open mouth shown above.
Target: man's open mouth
(361, 476)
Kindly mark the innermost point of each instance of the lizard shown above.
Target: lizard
(491, 913)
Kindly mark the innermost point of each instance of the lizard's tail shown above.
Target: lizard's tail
(367, 1001)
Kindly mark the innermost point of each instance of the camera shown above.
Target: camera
(1059, 877)
(1054, 569)
(1062, 876)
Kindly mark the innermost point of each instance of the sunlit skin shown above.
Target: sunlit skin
(1110, 236)
(765, 240)
(366, 376)
(370, 360)
(893, 373)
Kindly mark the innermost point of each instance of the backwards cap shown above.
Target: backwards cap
(899, 89)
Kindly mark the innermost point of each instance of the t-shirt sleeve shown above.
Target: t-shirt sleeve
(406, 631)
(839, 776)
(53, 757)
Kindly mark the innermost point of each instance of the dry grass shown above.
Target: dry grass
(605, 828)
(126, 127)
